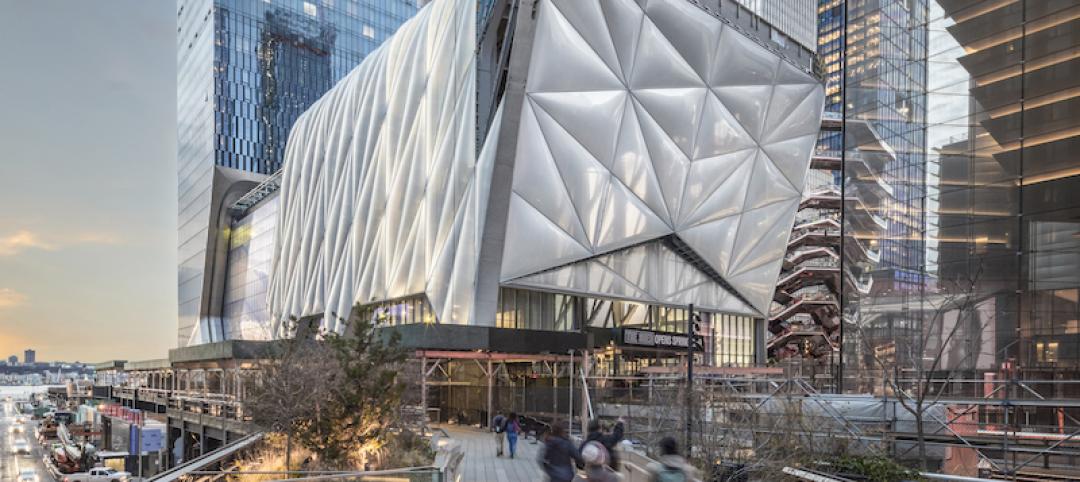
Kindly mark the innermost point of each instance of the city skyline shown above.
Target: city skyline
(87, 179)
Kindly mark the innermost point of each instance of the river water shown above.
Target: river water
(22, 392)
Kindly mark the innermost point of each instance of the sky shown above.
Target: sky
(88, 179)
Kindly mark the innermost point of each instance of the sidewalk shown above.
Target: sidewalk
(481, 464)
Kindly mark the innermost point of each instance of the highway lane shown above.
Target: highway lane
(10, 463)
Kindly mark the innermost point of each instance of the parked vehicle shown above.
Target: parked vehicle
(98, 474)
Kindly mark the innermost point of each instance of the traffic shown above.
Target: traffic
(20, 454)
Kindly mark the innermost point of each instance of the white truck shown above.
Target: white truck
(98, 474)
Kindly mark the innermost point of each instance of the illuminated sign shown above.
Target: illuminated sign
(655, 339)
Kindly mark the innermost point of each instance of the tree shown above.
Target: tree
(290, 382)
(337, 394)
(352, 422)
(920, 370)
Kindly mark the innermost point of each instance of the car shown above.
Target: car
(27, 475)
(99, 474)
(17, 428)
(21, 447)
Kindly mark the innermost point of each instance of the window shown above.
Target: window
(311, 9)
(368, 31)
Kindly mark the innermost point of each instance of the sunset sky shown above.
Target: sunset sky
(88, 179)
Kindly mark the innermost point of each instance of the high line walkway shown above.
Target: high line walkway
(481, 464)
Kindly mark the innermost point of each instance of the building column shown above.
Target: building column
(489, 262)
(760, 352)
(170, 445)
(202, 436)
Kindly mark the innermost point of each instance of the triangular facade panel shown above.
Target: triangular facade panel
(643, 124)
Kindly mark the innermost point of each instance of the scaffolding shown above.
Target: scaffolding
(769, 417)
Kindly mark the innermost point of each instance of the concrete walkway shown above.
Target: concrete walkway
(481, 464)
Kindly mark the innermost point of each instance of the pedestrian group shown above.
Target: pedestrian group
(596, 457)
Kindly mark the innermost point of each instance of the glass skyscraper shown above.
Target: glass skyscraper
(884, 182)
(245, 71)
(830, 50)
(1003, 134)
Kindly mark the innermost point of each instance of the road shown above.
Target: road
(10, 463)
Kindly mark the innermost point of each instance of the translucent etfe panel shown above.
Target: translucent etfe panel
(699, 92)
(365, 224)
(649, 273)
(546, 244)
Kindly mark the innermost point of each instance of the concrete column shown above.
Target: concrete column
(488, 276)
(170, 444)
(202, 436)
(760, 352)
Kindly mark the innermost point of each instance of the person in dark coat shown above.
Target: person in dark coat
(513, 430)
(559, 456)
(498, 426)
(608, 440)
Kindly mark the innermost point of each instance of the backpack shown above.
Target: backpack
(670, 474)
(594, 453)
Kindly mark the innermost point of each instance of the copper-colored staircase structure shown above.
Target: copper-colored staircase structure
(806, 315)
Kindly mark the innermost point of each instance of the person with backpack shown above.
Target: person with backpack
(670, 466)
(608, 440)
(596, 459)
(559, 456)
(512, 429)
(498, 426)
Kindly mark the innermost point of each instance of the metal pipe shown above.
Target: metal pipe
(959, 478)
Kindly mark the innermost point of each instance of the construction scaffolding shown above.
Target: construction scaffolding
(767, 418)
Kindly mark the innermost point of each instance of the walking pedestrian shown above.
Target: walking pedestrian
(559, 456)
(498, 426)
(608, 440)
(670, 466)
(596, 459)
(513, 428)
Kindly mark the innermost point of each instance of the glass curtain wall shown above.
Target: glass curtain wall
(976, 106)
(1004, 134)
(884, 188)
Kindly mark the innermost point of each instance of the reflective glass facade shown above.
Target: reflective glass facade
(980, 129)
(830, 50)
(884, 179)
(195, 155)
(1003, 134)
(251, 252)
(246, 70)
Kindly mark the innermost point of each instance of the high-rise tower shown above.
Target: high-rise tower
(245, 71)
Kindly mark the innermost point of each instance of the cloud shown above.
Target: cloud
(25, 240)
(10, 298)
(96, 238)
(21, 241)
